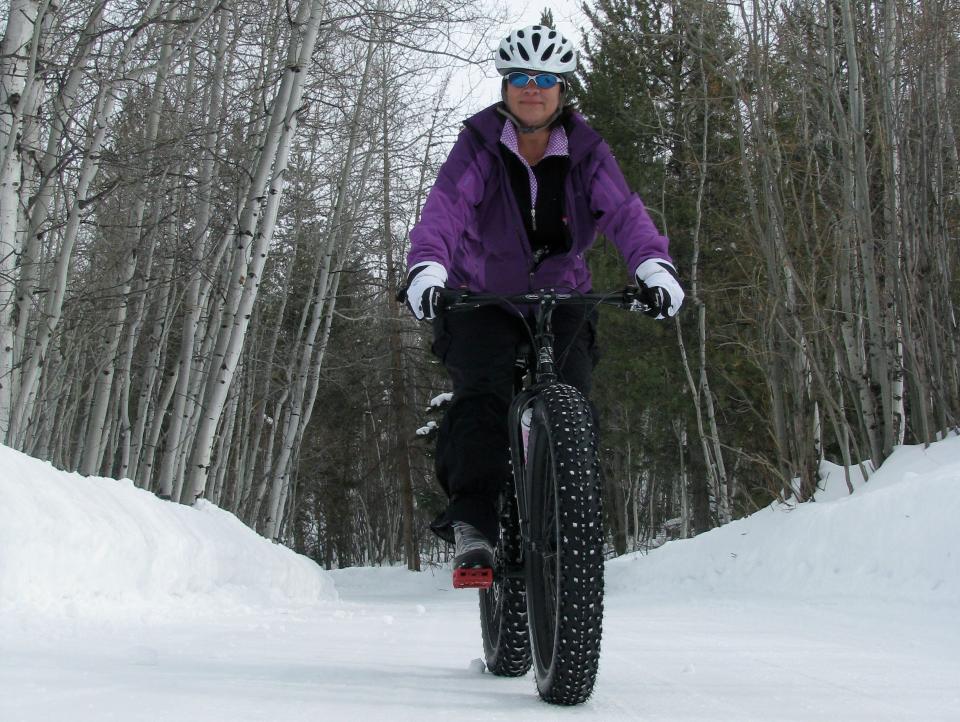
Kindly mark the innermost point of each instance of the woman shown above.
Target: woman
(521, 197)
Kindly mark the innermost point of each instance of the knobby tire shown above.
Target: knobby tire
(565, 561)
(503, 607)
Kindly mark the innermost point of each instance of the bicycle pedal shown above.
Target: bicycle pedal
(472, 578)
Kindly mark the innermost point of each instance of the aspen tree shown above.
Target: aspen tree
(258, 233)
(171, 463)
(97, 128)
(18, 99)
(90, 461)
(338, 232)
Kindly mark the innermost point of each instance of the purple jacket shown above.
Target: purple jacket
(471, 222)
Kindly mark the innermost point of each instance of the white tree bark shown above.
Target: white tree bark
(90, 461)
(296, 419)
(880, 364)
(62, 119)
(97, 129)
(893, 241)
(177, 446)
(17, 62)
(151, 410)
(274, 155)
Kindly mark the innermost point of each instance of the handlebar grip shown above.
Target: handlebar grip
(445, 297)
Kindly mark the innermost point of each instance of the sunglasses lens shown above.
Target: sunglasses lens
(546, 81)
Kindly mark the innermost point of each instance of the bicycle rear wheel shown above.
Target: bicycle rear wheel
(503, 607)
(565, 562)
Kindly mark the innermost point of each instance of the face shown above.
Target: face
(531, 105)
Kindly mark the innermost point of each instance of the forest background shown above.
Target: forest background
(204, 209)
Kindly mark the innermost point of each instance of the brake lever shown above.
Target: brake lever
(642, 299)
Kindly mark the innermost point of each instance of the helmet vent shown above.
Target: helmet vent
(536, 48)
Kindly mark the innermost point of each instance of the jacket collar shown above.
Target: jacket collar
(488, 125)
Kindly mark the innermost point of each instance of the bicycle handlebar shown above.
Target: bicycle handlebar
(631, 298)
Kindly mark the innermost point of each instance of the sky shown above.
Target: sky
(115, 605)
(567, 15)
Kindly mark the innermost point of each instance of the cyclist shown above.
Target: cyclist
(520, 198)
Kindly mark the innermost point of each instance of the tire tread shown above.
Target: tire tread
(570, 678)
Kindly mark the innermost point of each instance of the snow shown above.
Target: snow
(438, 401)
(115, 605)
(430, 427)
(68, 542)
(897, 537)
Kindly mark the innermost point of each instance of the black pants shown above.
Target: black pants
(478, 349)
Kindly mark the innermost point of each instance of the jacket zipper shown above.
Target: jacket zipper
(522, 231)
(534, 263)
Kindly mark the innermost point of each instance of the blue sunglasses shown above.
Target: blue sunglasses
(544, 81)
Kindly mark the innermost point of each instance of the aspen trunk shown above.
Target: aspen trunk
(97, 130)
(274, 155)
(398, 387)
(17, 62)
(90, 461)
(177, 445)
(879, 365)
(336, 232)
(63, 118)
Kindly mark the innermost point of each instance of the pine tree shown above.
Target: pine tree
(651, 84)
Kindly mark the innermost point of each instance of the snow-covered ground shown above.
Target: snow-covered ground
(117, 606)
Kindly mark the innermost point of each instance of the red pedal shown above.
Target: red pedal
(472, 578)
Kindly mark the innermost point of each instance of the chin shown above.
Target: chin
(533, 119)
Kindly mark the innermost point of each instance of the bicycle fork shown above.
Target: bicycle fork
(544, 374)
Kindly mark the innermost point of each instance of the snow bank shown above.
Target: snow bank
(897, 537)
(92, 545)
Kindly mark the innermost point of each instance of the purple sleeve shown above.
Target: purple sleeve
(621, 215)
(450, 204)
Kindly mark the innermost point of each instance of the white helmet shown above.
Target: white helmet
(537, 48)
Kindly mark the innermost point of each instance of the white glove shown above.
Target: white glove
(421, 282)
(661, 278)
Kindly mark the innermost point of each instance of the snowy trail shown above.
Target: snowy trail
(115, 605)
(399, 646)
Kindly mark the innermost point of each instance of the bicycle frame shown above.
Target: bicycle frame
(544, 605)
(541, 358)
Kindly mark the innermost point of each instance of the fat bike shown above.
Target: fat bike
(542, 603)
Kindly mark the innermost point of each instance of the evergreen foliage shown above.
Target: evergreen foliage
(652, 77)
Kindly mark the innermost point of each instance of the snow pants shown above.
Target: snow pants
(479, 348)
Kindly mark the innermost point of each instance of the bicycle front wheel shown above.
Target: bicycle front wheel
(565, 563)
